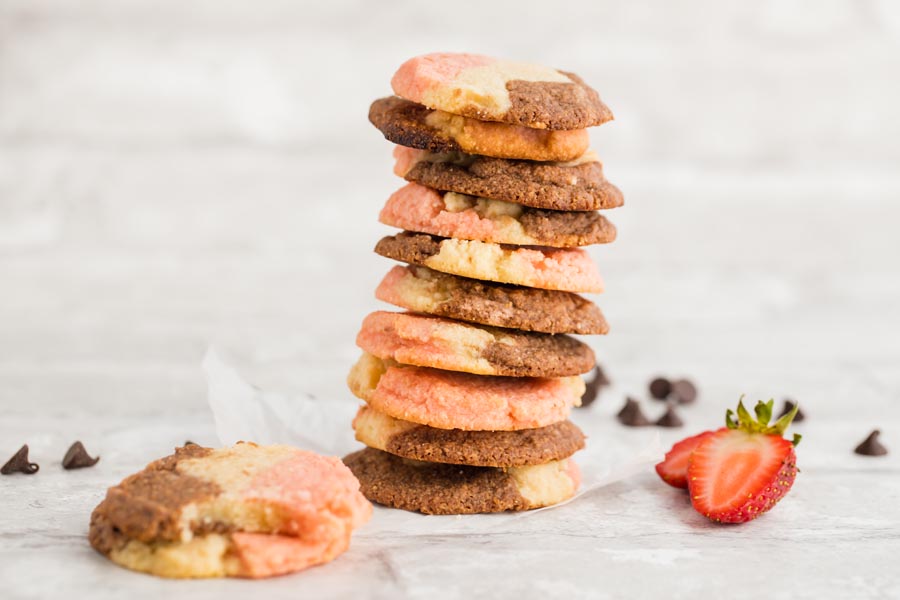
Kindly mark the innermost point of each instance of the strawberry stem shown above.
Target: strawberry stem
(746, 422)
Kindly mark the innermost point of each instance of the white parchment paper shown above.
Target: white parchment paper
(244, 412)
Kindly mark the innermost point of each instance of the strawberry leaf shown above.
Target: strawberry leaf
(760, 424)
(764, 412)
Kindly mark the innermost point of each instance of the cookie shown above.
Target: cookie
(244, 511)
(563, 269)
(427, 341)
(423, 290)
(418, 208)
(499, 90)
(451, 400)
(577, 185)
(440, 489)
(410, 124)
(476, 448)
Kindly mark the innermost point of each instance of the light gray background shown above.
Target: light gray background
(178, 173)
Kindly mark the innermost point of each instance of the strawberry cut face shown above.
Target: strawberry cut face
(733, 475)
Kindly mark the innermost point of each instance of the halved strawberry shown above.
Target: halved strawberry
(673, 468)
(741, 471)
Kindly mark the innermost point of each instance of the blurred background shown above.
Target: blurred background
(179, 173)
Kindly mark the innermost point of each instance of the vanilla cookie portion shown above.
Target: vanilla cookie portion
(427, 341)
(451, 400)
(564, 269)
(423, 290)
(234, 554)
(205, 512)
(499, 90)
(441, 489)
(418, 208)
(413, 125)
(476, 448)
(577, 185)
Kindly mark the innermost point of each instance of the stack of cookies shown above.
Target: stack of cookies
(468, 394)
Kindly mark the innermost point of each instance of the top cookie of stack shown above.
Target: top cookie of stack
(502, 192)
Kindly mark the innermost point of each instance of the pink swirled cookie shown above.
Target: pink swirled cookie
(426, 341)
(564, 269)
(489, 89)
(452, 400)
(245, 511)
(418, 208)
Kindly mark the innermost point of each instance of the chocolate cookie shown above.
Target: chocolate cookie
(499, 90)
(422, 209)
(427, 341)
(575, 186)
(441, 489)
(410, 124)
(563, 269)
(424, 290)
(475, 448)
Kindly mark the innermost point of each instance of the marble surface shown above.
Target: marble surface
(174, 175)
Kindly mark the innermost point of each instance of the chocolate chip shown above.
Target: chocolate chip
(19, 463)
(598, 381)
(788, 407)
(190, 443)
(684, 392)
(670, 418)
(77, 458)
(871, 446)
(660, 388)
(631, 414)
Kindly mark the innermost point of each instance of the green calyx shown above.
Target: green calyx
(746, 422)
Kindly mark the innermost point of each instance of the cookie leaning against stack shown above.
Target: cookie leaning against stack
(245, 511)
(468, 394)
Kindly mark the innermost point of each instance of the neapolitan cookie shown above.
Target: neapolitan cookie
(244, 511)
(427, 341)
(452, 400)
(421, 209)
(423, 290)
(476, 448)
(486, 88)
(442, 489)
(577, 185)
(563, 269)
(415, 126)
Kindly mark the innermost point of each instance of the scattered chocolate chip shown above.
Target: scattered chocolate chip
(593, 387)
(77, 458)
(19, 463)
(670, 418)
(684, 392)
(660, 388)
(871, 446)
(788, 407)
(631, 414)
(190, 443)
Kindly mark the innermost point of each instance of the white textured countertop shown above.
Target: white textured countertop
(177, 175)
